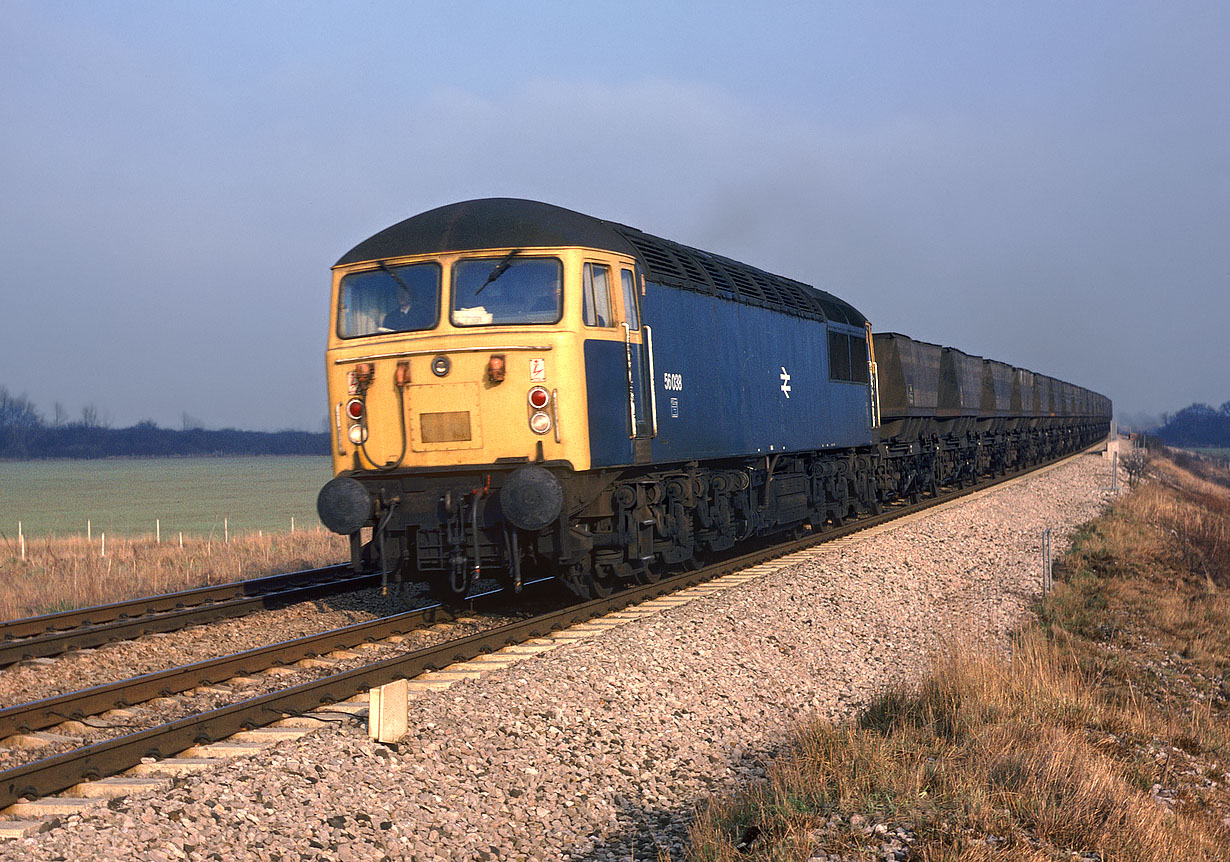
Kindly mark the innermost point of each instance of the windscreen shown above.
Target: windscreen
(512, 290)
(390, 299)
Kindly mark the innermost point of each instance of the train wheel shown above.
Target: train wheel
(650, 574)
(653, 571)
(600, 585)
(697, 561)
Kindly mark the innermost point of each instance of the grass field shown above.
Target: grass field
(59, 573)
(1105, 735)
(126, 496)
(234, 514)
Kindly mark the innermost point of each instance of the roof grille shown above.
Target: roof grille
(692, 269)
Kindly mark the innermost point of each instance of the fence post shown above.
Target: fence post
(89, 534)
(103, 552)
(226, 531)
(158, 530)
(1047, 581)
(1114, 472)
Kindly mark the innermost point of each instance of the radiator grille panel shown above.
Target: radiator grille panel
(445, 427)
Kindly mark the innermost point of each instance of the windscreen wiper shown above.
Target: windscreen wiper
(396, 278)
(500, 269)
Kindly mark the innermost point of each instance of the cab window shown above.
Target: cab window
(848, 357)
(389, 299)
(629, 287)
(514, 290)
(596, 295)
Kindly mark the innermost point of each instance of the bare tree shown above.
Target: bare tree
(17, 411)
(1135, 465)
(89, 416)
(20, 424)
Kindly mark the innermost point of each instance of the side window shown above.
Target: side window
(596, 293)
(629, 287)
(848, 357)
(859, 372)
(839, 356)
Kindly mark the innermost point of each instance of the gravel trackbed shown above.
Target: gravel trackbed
(603, 748)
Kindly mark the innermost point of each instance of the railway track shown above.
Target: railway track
(53, 634)
(47, 712)
(60, 772)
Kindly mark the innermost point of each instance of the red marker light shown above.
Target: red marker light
(539, 397)
(354, 409)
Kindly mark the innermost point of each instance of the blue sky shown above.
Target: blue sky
(1043, 183)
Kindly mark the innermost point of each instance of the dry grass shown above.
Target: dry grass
(1106, 734)
(63, 573)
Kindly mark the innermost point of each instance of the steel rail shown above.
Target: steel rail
(47, 712)
(125, 628)
(53, 774)
(29, 626)
(56, 773)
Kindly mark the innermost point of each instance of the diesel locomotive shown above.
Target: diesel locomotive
(520, 390)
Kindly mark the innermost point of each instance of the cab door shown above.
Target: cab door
(640, 397)
(617, 365)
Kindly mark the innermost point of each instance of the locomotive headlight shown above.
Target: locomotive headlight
(357, 434)
(539, 398)
(540, 423)
(354, 409)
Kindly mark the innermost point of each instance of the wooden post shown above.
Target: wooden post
(1047, 580)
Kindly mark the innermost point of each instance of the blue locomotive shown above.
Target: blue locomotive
(520, 388)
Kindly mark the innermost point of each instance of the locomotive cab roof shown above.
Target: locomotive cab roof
(516, 223)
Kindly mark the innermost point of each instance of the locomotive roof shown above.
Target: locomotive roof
(516, 223)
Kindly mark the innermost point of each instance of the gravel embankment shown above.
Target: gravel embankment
(123, 659)
(602, 749)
